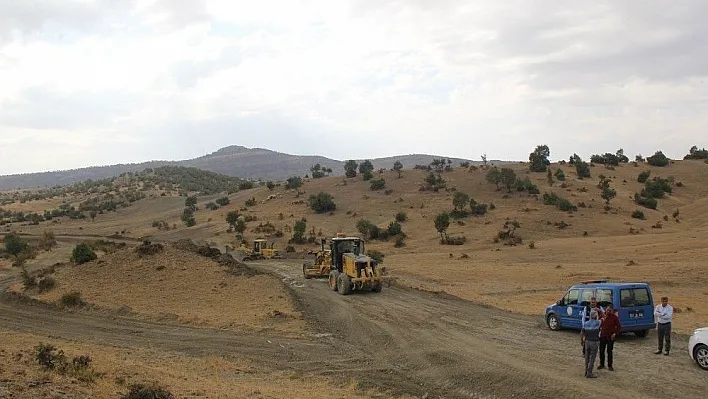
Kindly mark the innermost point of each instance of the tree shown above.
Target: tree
(460, 201)
(232, 218)
(658, 159)
(293, 182)
(350, 167)
(539, 158)
(82, 253)
(191, 203)
(695, 153)
(507, 177)
(93, 215)
(270, 185)
(317, 171)
(549, 177)
(484, 161)
(322, 202)
(442, 222)
(223, 201)
(378, 184)
(494, 176)
(607, 192)
(188, 217)
(299, 231)
(14, 244)
(240, 226)
(366, 166)
(398, 166)
(621, 157)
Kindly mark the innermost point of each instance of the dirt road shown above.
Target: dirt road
(400, 340)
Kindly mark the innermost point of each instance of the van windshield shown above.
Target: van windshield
(634, 297)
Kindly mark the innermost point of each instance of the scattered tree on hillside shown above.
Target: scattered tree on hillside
(319, 171)
(398, 167)
(494, 176)
(460, 201)
(232, 218)
(223, 201)
(549, 177)
(607, 193)
(442, 222)
(582, 168)
(639, 158)
(539, 158)
(378, 184)
(188, 217)
(695, 153)
(240, 227)
(434, 181)
(484, 161)
(658, 159)
(293, 183)
(270, 185)
(350, 167)
(507, 177)
(93, 215)
(620, 155)
(191, 203)
(14, 244)
(366, 169)
(299, 231)
(82, 253)
(322, 202)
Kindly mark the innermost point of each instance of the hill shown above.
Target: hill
(235, 161)
(565, 233)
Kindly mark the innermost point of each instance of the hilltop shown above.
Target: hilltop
(235, 161)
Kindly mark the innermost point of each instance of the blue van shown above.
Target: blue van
(633, 301)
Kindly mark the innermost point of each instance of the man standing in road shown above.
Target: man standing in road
(609, 331)
(586, 314)
(664, 313)
(590, 336)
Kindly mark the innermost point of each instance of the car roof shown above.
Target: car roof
(609, 285)
(345, 238)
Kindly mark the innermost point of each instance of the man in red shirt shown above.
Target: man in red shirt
(609, 331)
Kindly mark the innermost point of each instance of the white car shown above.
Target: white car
(698, 347)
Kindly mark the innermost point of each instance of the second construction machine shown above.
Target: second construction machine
(346, 266)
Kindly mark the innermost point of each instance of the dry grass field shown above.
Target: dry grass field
(183, 287)
(515, 278)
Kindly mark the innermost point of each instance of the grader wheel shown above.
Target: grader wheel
(344, 284)
(333, 280)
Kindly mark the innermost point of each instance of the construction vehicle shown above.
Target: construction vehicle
(346, 266)
(260, 250)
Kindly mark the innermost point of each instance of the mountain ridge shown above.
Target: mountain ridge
(233, 160)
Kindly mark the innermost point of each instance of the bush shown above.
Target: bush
(480, 209)
(650, 203)
(46, 284)
(454, 240)
(14, 244)
(72, 300)
(83, 253)
(658, 159)
(148, 248)
(656, 188)
(378, 184)
(141, 391)
(376, 255)
(642, 178)
(28, 281)
(400, 242)
(322, 203)
(401, 217)
(637, 214)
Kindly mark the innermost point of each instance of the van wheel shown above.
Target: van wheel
(641, 333)
(553, 322)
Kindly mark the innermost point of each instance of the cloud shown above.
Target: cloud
(161, 79)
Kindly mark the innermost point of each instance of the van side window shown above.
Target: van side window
(585, 297)
(571, 298)
(604, 297)
(634, 297)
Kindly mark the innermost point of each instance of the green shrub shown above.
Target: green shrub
(650, 203)
(658, 159)
(28, 281)
(322, 202)
(376, 255)
(637, 214)
(14, 244)
(83, 253)
(642, 178)
(401, 217)
(400, 242)
(72, 300)
(378, 184)
(46, 284)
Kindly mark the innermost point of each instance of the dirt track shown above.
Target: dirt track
(399, 340)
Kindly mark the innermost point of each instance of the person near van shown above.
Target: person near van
(586, 314)
(590, 336)
(610, 329)
(664, 313)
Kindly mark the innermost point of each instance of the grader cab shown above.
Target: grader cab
(260, 250)
(346, 266)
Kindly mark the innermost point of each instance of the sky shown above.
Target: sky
(98, 82)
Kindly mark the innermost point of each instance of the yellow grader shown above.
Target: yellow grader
(260, 250)
(346, 266)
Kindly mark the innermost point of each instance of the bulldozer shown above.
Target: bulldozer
(260, 250)
(346, 266)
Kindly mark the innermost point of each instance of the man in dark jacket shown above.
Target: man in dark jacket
(609, 331)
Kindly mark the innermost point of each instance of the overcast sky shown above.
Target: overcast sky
(96, 82)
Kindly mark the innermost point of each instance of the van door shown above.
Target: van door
(568, 312)
(636, 308)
